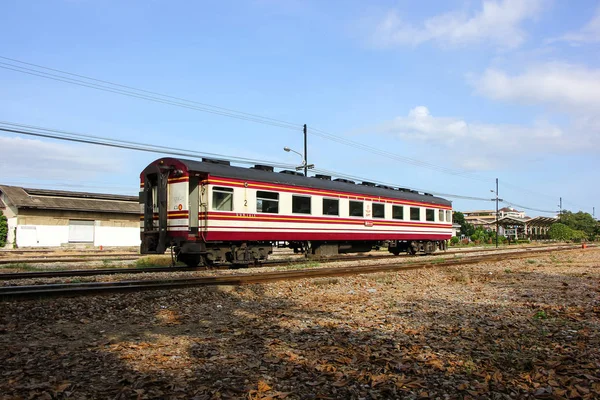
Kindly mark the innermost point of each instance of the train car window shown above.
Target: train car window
(331, 207)
(300, 205)
(222, 199)
(448, 216)
(415, 214)
(356, 208)
(429, 214)
(398, 212)
(267, 202)
(441, 215)
(378, 210)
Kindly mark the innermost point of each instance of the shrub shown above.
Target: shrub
(560, 231)
(3, 229)
(454, 240)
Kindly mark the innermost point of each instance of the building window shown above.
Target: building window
(331, 207)
(222, 199)
(356, 208)
(448, 216)
(378, 210)
(415, 214)
(300, 205)
(267, 202)
(429, 214)
(441, 215)
(398, 212)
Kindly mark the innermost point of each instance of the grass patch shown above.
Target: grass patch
(531, 261)
(310, 264)
(153, 261)
(326, 281)
(437, 260)
(459, 277)
(541, 314)
(22, 266)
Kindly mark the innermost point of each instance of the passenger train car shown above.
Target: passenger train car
(209, 211)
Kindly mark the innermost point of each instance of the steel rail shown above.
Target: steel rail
(269, 263)
(69, 259)
(92, 288)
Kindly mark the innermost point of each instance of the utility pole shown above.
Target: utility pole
(560, 210)
(305, 159)
(496, 212)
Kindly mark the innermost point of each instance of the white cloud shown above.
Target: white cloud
(25, 158)
(497, 22)
(566, 86)
(477, 145)
(590, 33)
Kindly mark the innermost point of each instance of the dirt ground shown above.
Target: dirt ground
(516, 329)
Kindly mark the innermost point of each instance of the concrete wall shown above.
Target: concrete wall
(49, 228)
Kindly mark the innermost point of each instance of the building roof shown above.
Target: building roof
(542, 221)
(510, 209)
(26, 198)
(222, 169)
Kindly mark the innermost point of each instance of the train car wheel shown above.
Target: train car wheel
(191, 260)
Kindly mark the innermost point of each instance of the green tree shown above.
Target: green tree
(579, 221)
(3, 229)
(466, 228)
(560, 231)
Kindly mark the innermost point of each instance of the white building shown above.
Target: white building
(49, 218)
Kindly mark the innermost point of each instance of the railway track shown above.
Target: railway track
(69, 258)
(112, 271)
(92, 288)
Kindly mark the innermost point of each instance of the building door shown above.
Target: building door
(81, 231)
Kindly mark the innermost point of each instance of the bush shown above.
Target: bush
(562, 232)
(3, 229)
(454, 240)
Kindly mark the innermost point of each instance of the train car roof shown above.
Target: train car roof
(224, 170)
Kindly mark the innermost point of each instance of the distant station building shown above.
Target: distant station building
(512, 223)
(50, 218)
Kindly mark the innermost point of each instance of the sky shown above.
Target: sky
(447, 96)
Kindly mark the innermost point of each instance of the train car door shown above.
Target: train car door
(203, 209)
(198, 205)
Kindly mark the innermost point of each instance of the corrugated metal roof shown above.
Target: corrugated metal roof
(23, 198)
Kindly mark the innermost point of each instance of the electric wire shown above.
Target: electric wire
(144, 96)
(88, 139)
(151, 92)
(394, 156)
(48, 133)
(151, 96)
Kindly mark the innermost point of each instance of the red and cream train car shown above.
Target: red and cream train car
(209, 211)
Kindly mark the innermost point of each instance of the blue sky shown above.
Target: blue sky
(476, 90)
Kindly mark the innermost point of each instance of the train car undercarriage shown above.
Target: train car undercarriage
(248, 253)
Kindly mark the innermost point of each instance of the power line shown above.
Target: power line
(397, 157)
(96, 140)
(157, 99)
(151, 92)
(48, 133)
(510, 203)
(356, 178)
(130, 91)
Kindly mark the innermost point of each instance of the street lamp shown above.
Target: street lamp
(302, 166)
